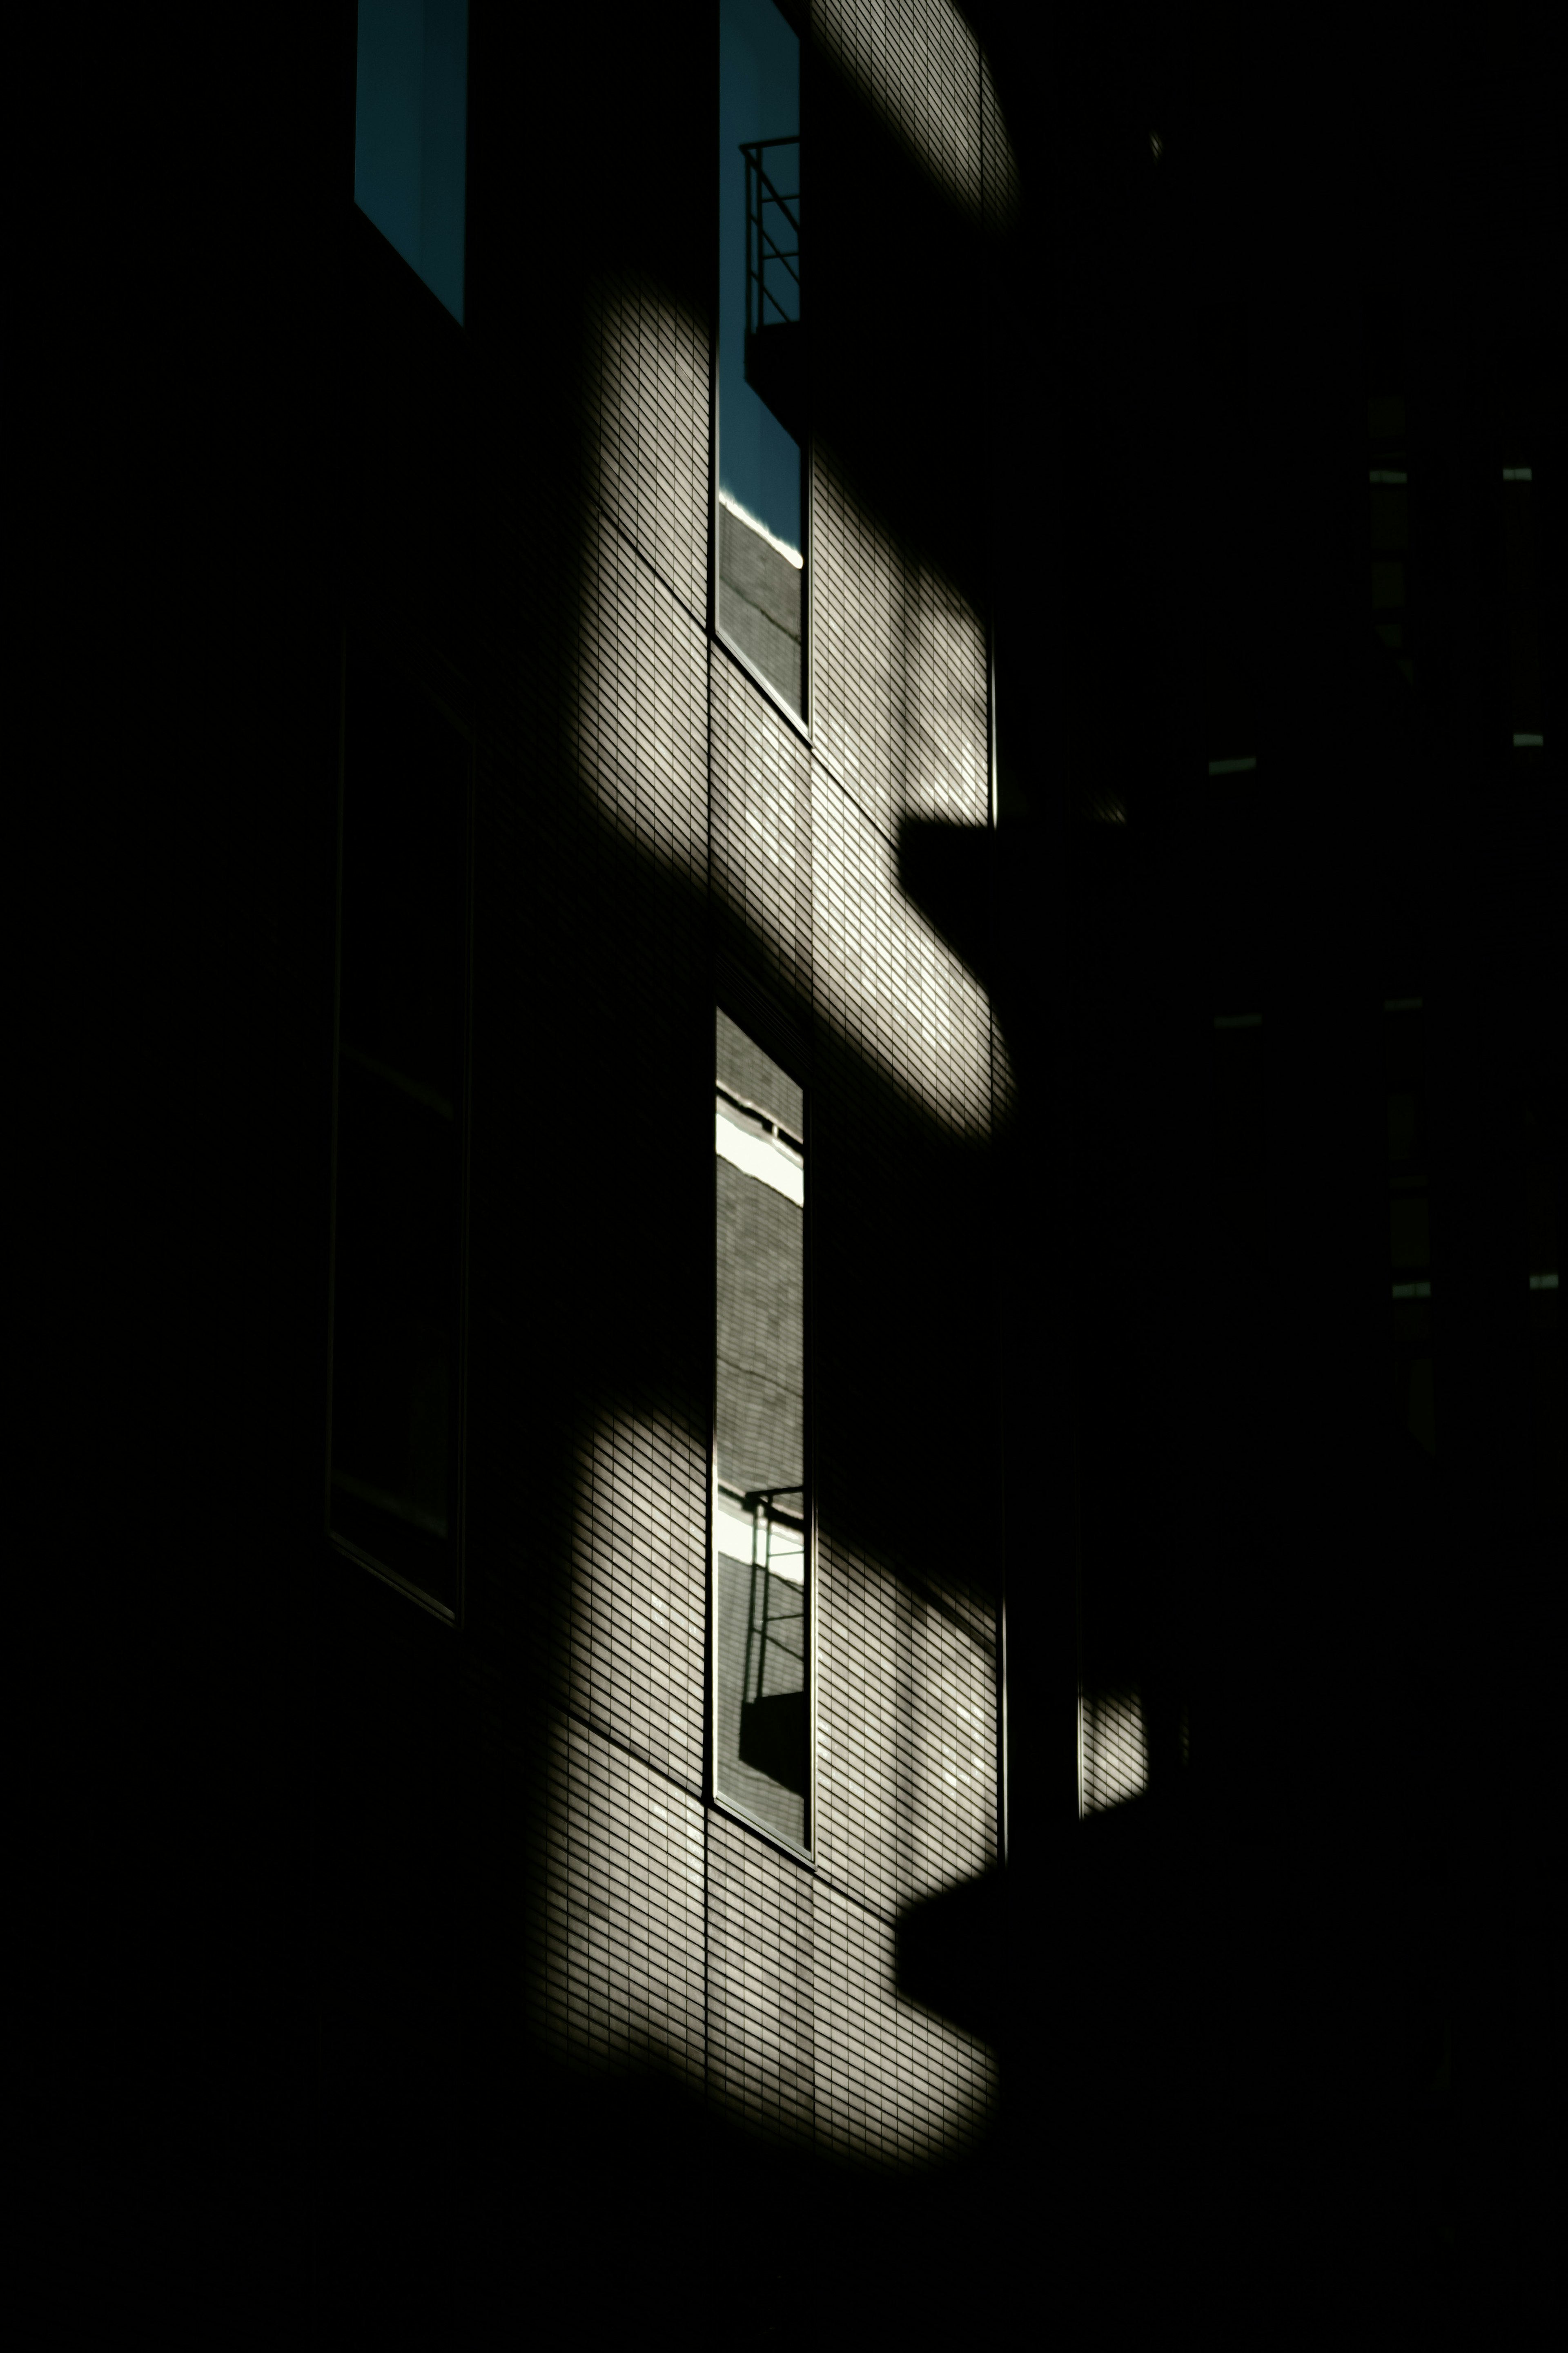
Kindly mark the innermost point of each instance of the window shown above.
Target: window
(396, 1344)
(761, 484)
(411, 134)
(762, 1519)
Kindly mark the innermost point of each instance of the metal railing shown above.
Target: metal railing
(761, 1498)
(759, 240)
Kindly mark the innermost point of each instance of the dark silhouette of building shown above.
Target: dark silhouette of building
(1156, 899)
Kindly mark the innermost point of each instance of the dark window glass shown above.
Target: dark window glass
(761, 524)
(411, 132)
(762, 1591)
(396, 1239)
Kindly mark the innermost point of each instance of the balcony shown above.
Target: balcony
(776, 348)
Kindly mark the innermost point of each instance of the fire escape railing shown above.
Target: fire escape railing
(773, 1725)
(761, 1500)
(759, 240)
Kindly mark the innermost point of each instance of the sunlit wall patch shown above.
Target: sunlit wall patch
(884, 977)
(912, 96)
(1115, 1750)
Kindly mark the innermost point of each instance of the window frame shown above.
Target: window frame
(800, 720)
(443, 688)
(752, 1009)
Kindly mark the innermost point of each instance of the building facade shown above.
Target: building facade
(623, 1645)
(613, 820)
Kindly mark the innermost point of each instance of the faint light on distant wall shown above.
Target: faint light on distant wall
(1230, 767)
(1156, 145)
(1113, 1747)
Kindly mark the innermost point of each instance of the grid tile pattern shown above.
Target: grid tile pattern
(906, 1737)
(915, 66)
(893, 2083)
(1115, 1753)
(644, 421)
(634, 1657)
(760, 1409)
(760, 604)
(898, 691)
(887, 985)
(1003, 194)
(760, 875)
(618, 1967)
(638, 710)
(763, 1982)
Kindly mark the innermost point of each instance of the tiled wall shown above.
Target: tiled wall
(640, 801)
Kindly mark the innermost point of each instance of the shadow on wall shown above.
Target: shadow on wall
(1258, 1941)
(647, 2148)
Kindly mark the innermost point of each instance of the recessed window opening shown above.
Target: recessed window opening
(761, 1727)
(760, 485)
